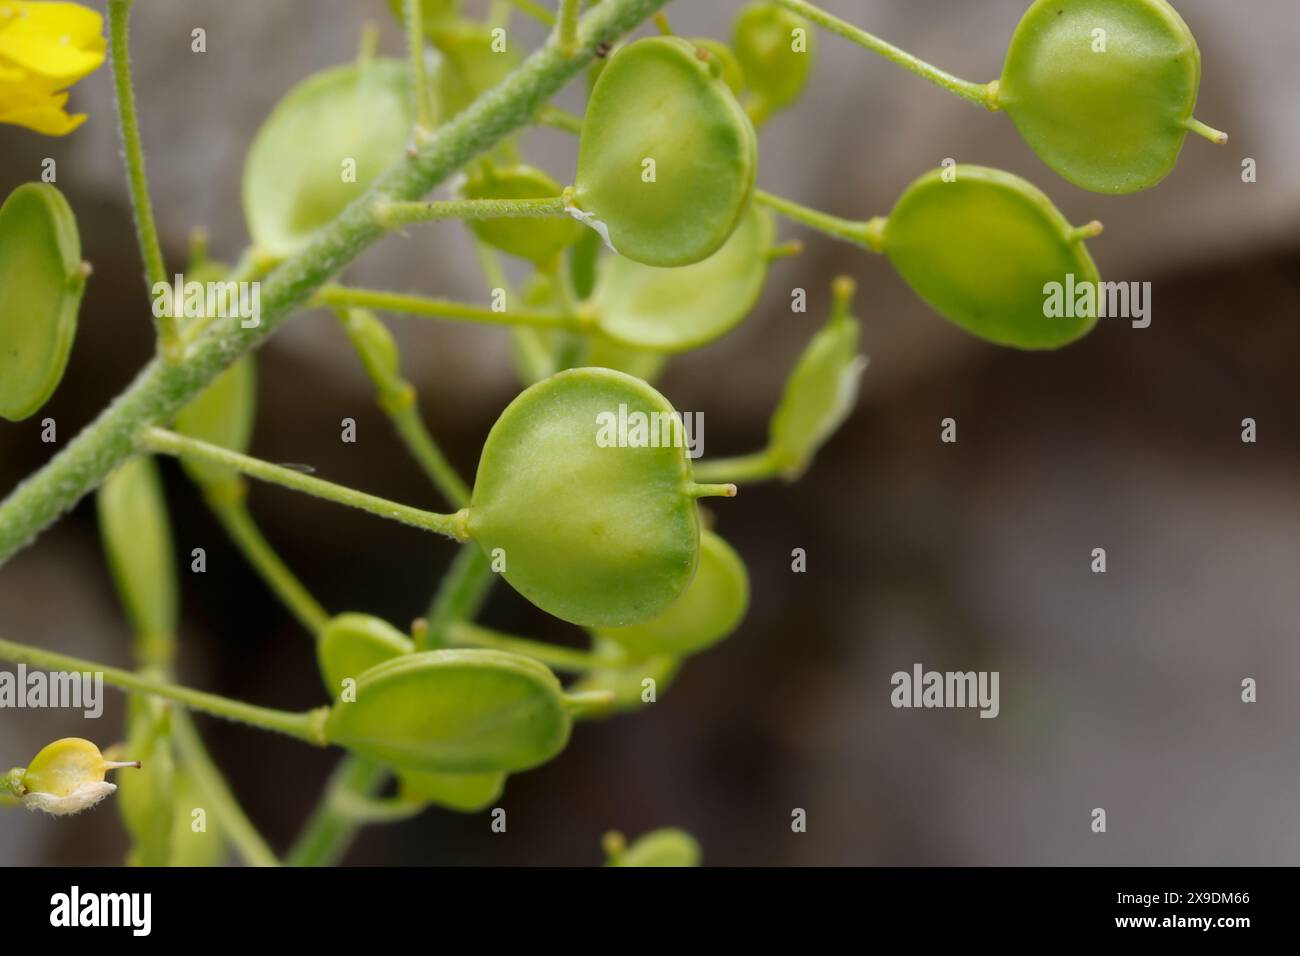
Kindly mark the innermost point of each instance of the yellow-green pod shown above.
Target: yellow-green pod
(473, 61)
(1103, 90)
(462, 711)
(667, 158)
(667, 847)
(321, 147)
(634, 685)
(462, 792)
(711, 609)
(984, 248)
(590, 521)
(539, 241)
(146, 798)
(222, 414)
(351, 644)
(775, 51)
(198, 838)
(67, 777)
(820, 392)
(732, 74)
(42, 279)
(676, 310)
(137, 538)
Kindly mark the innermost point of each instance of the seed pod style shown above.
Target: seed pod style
(322, 145)
(66, 777)
(712, 608)
(982, 246)
(587, 519)
(667, 847)
(42, 279)
(1103, 90)
(667, 157)
(459, 711)
(775, 50)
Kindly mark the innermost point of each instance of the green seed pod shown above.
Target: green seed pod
(821, 391)
(136, 532)
(667, 847)
(639, 363)
(221, 414)
(667, 159)
(322, 145)
(67, 777)
(775, 50)
(43, 277)
(732, 74)
(146, 798)
(982, 249)
(1103, 90)
(712, 608)
(462, 792)
(469, 66)
(539, 241)
(463, 711)
(628, 682)
(590, 528)
(351, 644)
(675, 310)
(374, 344)
(192, 844)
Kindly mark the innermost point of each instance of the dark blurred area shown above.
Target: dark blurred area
(1118, 690)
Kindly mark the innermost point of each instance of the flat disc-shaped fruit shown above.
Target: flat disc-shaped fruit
(351, 644)
(674, 310)
(774, 47)
(983, 249)
(667, 158)
(1103, 89)
(41, 281)
(463, 711)
(712, 607)
(819, 395)
(537, 240)
(323, 144)
(222, 414)
(589, 501)
(137, 537)
(462, 792)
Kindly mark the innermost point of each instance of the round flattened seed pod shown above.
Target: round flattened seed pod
(463, 711)
(667, 847)
(351, 644)
(462, 792)
(711, 609)
(322, 145)
(675, 310)
(596, 525)
(41, 281)
(667, 158)
(767, 38)
(1103, 90)
(982, 249)
(67, 777)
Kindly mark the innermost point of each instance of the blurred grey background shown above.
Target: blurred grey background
(1119, 691)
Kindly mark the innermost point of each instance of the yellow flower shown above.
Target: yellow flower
(44, 49)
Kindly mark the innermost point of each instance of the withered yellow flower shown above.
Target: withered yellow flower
(44, 49)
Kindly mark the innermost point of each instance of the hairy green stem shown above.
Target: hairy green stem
(462, 633)
(396, 302)
(234, 822)
(305, 726)
(981, 94)
(128, 123)
(162, 442)
(162, 388)
(869, 235)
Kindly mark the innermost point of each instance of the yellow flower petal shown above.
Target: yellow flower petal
(39, 113)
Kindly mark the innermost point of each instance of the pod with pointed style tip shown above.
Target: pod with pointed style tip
(820, 392)
(982, 249)
(592, 529)
(711, 609)
(537, 240)
(458, 711)
(675, 310)
(1103, 90)
(351, 644)
(297, 177)
(67, 777)
(41, 282)
(763, 38)
(669, 846)
(662, 99)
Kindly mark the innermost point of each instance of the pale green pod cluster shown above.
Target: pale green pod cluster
(42, 279)
(590, 529)
(1103, 90)
(821, 390)
(667, 157)
(981, 247)
(321, 147)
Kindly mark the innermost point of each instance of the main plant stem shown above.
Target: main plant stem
(162, 388)
(168, 326)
